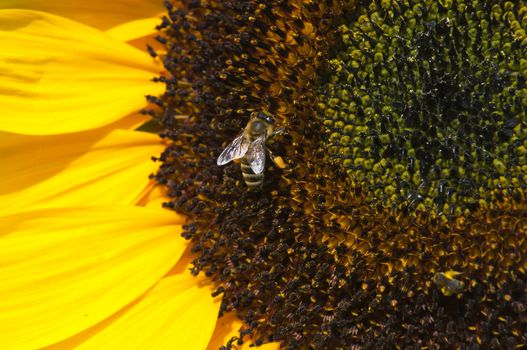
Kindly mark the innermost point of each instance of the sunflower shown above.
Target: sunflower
(89, 257)
(398, 220)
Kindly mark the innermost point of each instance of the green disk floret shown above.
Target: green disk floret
(424, 103)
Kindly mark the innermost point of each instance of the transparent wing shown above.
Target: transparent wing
(256, 155)
(235, 150)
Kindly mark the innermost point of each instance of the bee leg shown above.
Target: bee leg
(277, 132)
(277, 160)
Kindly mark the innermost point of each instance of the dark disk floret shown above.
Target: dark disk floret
(399, 221)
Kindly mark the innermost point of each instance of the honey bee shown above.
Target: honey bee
(446, 282)
(250, 146)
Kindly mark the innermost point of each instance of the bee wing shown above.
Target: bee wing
(235, 150)
(256, 155)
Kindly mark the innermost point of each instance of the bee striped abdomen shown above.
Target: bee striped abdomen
(253, 181)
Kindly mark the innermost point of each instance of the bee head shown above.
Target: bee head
(267, 118)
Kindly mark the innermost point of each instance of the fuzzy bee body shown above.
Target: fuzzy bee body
(254, 180)
(249, 147)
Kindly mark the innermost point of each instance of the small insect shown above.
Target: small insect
(446, 282)
(249, 145)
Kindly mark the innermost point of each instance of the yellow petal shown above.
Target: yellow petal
(148, 40)
(100, 14)
(130, 122)
(134, 29)
(64, 270)
(178, 313)
(228, 328)
(154, 197)
(75, 169)
(59, 76)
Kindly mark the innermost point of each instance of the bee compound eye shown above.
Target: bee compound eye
(265, 117)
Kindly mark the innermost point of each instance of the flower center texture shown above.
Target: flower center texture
(399, 220)
(424, 104)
